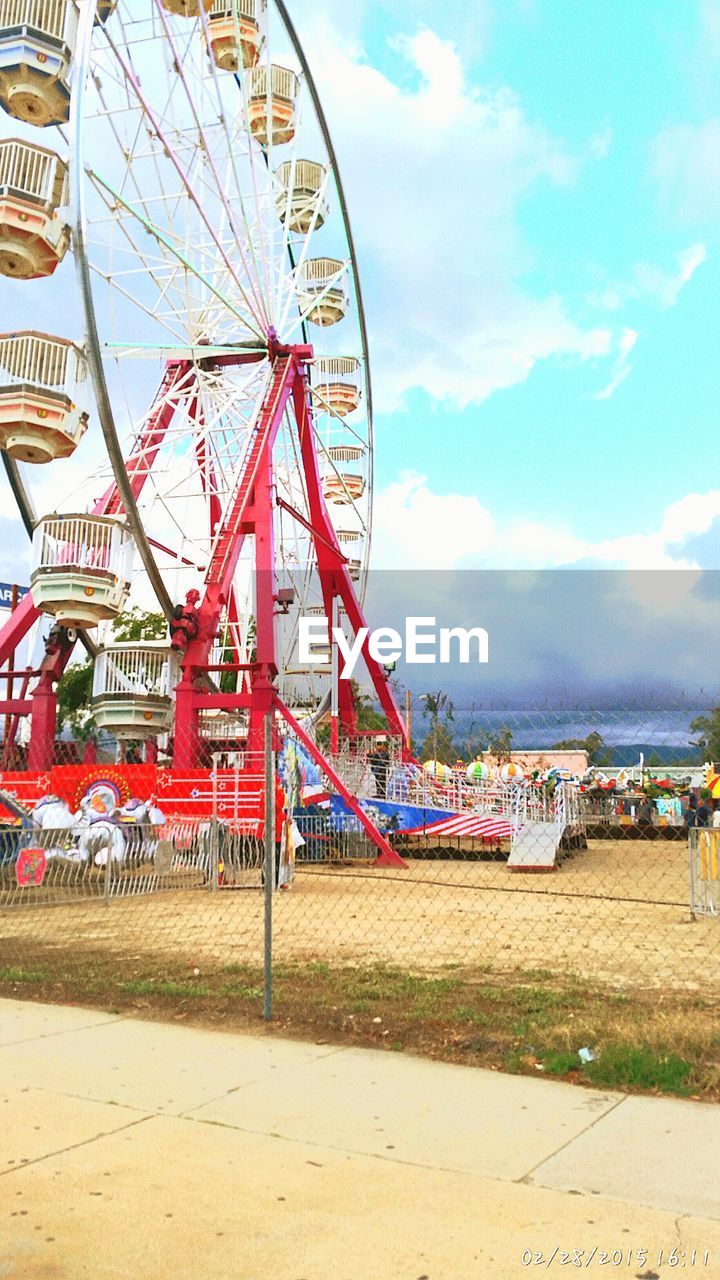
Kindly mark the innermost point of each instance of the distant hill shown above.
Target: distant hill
(626, 734)
(630, 754)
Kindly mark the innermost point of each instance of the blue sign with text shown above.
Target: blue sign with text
(6, 592)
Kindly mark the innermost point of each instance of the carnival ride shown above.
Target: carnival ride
(179, 153)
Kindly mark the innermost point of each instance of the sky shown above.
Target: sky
(535, 194)
(534, 187)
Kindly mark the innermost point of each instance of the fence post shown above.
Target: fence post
(108, 876)
(215, 829)
(269, 863)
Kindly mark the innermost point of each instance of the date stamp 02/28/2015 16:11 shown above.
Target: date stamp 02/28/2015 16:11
(585, 1258)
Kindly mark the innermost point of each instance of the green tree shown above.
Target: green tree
(368, 716)
(139, 624)
(707, 729)
(439, 710)
(500, 744)
(439, 745)
(74, 693)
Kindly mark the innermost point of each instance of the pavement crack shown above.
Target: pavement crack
(55, 1035)
(74, 1146)
(569, 1141)
(339, 1150)
(248, 1084)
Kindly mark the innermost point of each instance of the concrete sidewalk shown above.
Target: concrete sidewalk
(132, 1149)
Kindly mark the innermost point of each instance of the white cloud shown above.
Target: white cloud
(652, 282)
(417, 528)
(685, 162)
(666, 286)
(621, 369)
(436, 169)
(710, 24)
(600, 143)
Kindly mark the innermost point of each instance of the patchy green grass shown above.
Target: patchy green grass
(17, 975)
(532, 1022)
(627, 1066)
(561, 1064)
(237, 991)
(634, 1066)
(166, 987)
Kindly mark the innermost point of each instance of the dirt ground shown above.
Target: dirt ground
(617, 912)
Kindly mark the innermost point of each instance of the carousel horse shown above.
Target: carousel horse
(138, 819)
(100, 833)
(52, 817)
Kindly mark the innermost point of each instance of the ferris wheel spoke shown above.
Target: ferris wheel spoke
(251, 239)
(152, 116)
(207, 151)
(151, 265)
(163, 240)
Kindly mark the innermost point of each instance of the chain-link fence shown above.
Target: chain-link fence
(590, 851)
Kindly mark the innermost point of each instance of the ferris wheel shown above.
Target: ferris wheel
(178, 151)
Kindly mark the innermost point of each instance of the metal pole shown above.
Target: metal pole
(269, 863)
(11, 667)
(108, 875)
(214, 828)
(334, 677)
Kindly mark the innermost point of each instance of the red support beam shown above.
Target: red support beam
(388, 857)
(17, 627)
(15, 706)
(140, 462)
(229, 542)
(332, 566)
(250, 512)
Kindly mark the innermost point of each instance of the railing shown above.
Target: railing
(318, 274)
(283, 83)
(82, 543)
(407, 784)
(49, 17)
(42, 361)
(308, 176)
(704, 868)
(336, 838)
(244, 8)
(337, 369)
(345, 453)
(33, 172)
(222, 727)
(135, 671)
(106, 860)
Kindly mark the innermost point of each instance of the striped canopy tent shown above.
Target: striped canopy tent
(466, 826)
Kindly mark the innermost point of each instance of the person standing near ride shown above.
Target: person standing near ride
(703, 814)
(691, 813)
(645, 813)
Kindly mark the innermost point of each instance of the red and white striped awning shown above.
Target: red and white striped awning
(466, 826)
